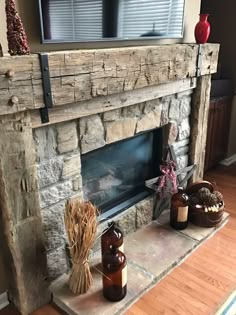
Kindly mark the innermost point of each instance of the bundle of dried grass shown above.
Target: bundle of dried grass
(81, 224)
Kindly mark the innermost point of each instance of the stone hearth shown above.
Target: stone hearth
(152, 252)
(98, 97)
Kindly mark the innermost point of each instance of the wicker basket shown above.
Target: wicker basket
(197, 214)
(199, 217)
(198, 185)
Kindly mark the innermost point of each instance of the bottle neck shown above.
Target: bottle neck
(182, 193)
(111, 225)
(204, 17)
(114, 229)
(180, 190)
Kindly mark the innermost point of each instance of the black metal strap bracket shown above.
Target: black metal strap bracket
(199, 61)
(47, 93)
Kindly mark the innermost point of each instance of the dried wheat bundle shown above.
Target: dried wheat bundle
(81, 224)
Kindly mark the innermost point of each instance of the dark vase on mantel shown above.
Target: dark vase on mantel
(202, 29)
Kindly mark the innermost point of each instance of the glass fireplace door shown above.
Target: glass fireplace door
(118, 171)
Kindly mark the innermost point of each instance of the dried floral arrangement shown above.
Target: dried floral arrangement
(81, 226)
(16, 36)
(167, 183)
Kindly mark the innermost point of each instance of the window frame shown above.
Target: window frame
(106, 39)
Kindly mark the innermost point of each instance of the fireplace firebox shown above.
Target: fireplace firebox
(114, 175)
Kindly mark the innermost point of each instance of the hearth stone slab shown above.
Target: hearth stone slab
(152, 252)
(195, 232)
(157, 249)
(93, 302)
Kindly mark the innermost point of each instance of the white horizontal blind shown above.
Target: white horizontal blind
(61, 23)
(88, 19)
(137, 17)
(74, 20)
(176, 17)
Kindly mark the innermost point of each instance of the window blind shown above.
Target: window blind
(75, 20)
(88, 19)
(139, 17)
(61, 23)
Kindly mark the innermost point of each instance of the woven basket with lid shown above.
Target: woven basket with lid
(197, 214)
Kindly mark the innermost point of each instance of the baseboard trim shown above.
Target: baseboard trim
(3, 300)
(229, 161)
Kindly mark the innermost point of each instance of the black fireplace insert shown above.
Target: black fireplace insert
(114, 175)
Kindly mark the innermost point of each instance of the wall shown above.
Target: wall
(29, 14)
(3, 39)
(223, 24)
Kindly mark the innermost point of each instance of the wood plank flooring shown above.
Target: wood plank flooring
(204, 280)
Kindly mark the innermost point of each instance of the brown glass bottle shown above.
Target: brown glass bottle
(179, 210)
(114, 275)
(112, 236)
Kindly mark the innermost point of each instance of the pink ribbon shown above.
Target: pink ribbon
(167, 183)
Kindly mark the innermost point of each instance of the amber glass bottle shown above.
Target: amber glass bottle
(179, 210)
(112, 236)
(114, 275)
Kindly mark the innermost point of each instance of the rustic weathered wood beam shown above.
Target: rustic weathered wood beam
(86, 74)
(199, 120)
(24, 249)
(106, 103)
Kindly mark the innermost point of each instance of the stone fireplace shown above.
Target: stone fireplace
(60, 148)
(103, 101)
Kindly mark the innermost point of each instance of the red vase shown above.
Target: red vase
(202, 29)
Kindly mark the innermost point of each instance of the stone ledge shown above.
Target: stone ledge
(156, 242)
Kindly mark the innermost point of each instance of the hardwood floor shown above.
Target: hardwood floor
(204, 280)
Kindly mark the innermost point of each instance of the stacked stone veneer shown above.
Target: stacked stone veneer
(59, 147)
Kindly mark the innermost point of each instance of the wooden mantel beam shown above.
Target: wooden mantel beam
(106, 103)
(85, 74)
